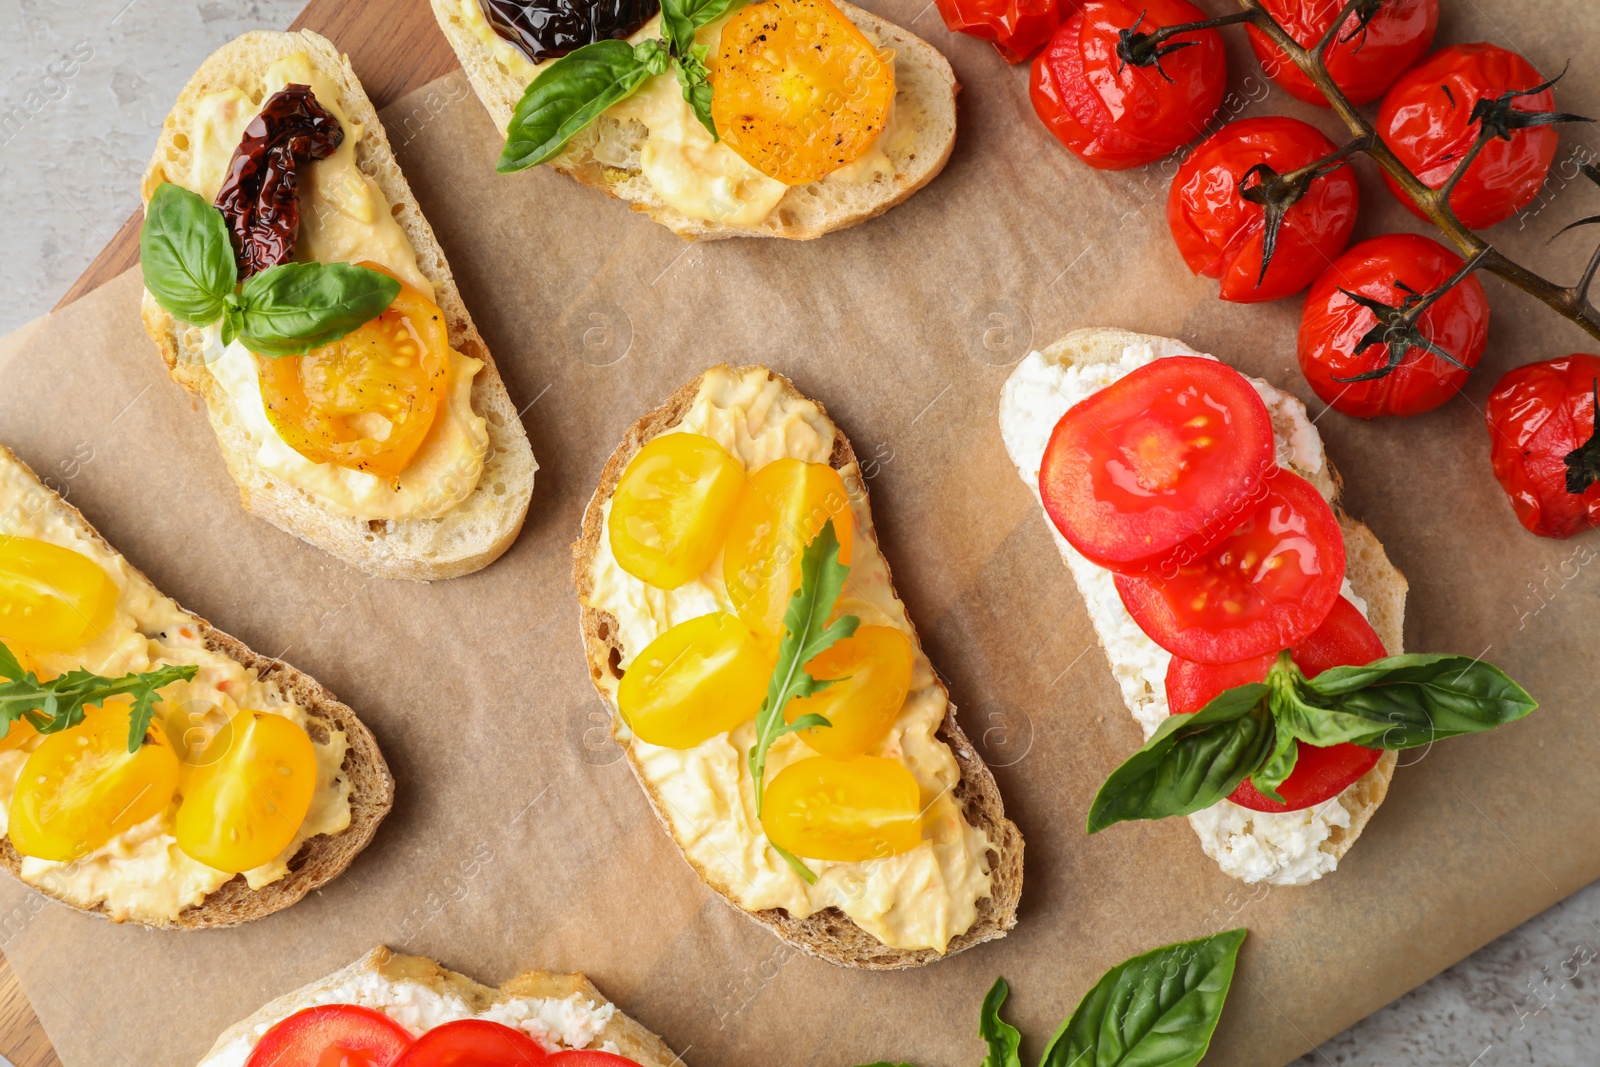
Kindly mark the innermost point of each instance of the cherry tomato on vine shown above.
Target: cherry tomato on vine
(1542, 443)
(1155, 468)
(1364, 60)
(1398, 270)
(1344, 638)
(1112, 113)
(1426, 120)
(1221, 234)
(1016, 28)
(1265, 586)
(344, 1034)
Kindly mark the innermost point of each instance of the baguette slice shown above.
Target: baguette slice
(321, 859)
(476, 531)
(1371, 576)
(382, 969)
(925, 95)
(827, 934)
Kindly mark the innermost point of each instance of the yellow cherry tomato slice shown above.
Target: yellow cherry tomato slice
(81, 787)
(798, 90)
(857, 808)
(367, 401)
(243, 805)
(874, 671)
(671, 508)
(21, 731)
(701, 678)
(52, 599)
(785, 505)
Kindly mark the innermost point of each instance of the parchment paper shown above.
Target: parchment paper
(518, 837)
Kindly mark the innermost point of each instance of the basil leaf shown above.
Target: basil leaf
(1276, 770)
(1002, 1038)
(290, 309)
(1191, 762)
(1155, 1010)
(680, 18)
(695, 80)
(186, 255)
(571, 93)
(1404, 702)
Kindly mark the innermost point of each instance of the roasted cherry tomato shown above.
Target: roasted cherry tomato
(1220, 234)
(857, 808)
(1426, 120)
(1364, 60)
(1265, 586)
(671, 508)
(368, 400)
(1153, 469)
(242, 806)
(1396, 270)
(331, 1035)
(52, 599)
(1344, 638)
(701, 678)
(873, 672)
(1542, 443)
(473, 1043)
(785, 505)
(82, 787)
(1016, 28)
(1114, 114)
(799, 91)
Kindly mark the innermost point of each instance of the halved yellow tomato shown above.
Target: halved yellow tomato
(857, 808)
(243, 806)
(798, 90)
(368, 400)
(785, 505)
(701, 678)
(81, 787)
(873, 668)
(52, 599)
(671, 508)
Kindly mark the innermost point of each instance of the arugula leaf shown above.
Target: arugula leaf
(1158, 1008)
(695, 80)
(571, 93)
(290, 309)
(1191, 762)
(186, 255)
(59, 704)
(806, 633)
(1002, 1038)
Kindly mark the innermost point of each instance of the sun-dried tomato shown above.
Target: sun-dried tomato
(545, 29)
(260, 198)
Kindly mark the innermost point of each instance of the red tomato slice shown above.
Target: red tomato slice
(474, 1043)
(1266, 585)
(332, 1035)
(1345, 637)
(1153, 469)
(584, 1057)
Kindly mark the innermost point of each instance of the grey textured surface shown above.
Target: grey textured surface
(86, 85)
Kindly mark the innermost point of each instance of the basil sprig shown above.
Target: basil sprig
(1251, 731)
(1155, 1010)
(576, 89)
(188, 262)
(60, 703)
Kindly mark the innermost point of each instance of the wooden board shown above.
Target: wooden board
(395, 47)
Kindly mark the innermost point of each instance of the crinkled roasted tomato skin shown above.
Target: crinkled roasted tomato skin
(1537, 415)
(1363, 63)
(1016, 28)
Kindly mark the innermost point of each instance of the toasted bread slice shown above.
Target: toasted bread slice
(829, 933)
(321, 859)
(925, 96)
(1372, 577)
(382, 970)
(470, 535)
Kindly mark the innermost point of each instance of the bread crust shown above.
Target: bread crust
(630, 1037)
(827, 934)
(923, 76)
(407, 548)
(320, 859)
